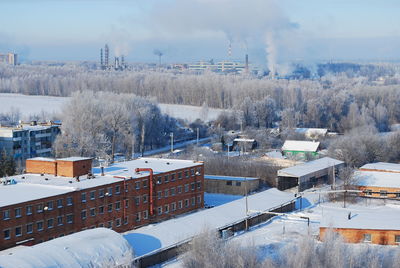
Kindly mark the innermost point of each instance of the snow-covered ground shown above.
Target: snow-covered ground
(35, 105)
(214, 200)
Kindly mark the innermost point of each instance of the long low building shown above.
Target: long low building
(309, 174)
(363, 227)
(381, 180)
(230, 185)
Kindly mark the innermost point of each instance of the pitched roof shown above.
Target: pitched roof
(382, 166)
(306, 146)
(309, 167)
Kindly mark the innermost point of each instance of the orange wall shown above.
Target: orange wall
(73, 168)
(382, 237)
(377, 189)
(39, 167)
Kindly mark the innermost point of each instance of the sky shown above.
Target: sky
(190, 30)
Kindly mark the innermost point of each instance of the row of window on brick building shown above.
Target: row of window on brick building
(139, 216)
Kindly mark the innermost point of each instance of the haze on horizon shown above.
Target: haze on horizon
(268, 30)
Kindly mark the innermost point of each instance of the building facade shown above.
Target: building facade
(230, 185)
(9, 58)
(39, 207)
(28, 140)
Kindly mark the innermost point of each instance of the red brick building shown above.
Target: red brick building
(42, 206)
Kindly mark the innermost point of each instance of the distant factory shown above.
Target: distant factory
(225, 66)
(9, 58)
(105, 64)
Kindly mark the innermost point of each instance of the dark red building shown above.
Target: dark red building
(39, 207)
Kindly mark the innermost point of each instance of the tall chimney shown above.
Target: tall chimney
(101, 59)
(247, 63)
(106, 56)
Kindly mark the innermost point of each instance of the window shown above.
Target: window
(383, 193)
(159, 180)
(192, 172)
(199, 170)
(60, 220)
(166, 209)
(198, 185)
(117, 189)
(137, 200)
(49, 205)
(173, 206)
(159, 195)
(199, 199)
(228, 182)
(39, 225)
(29, 228)
(101, 224)
(173, 177)
(179, 175)
(29, 210)
(118, 205)
(187, 174)
(179, 189)
(166, 178)
(126, 201)
(367, 238)
(70, 218)
(193, 186)
(397, 239)
(145, 214)
(238, 183)
(125, 220)
(180, 206)
(101, 193)
(118, 222)
(18, 231)
(173, 191)
(17, 212)
(109, 207)
(101, 209)
(7, 234)
(69, 201)
(166, 193)
(159, 209)
(93, 212)
(144, 183)
(397, 194)
(109, 225)
(83, 214)
(138, 216)
(144, 198)
(186, 203)
(186, 188)
(83, 197)
(92, 195)
(137, 185)
(50, 223)
(109, 191)
(39, 208)
(193, 201)
(59, 203)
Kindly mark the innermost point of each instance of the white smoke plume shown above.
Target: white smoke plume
(242, 21)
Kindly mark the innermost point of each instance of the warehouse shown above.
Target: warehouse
(300, 149)
(309, 174)
(230, 185)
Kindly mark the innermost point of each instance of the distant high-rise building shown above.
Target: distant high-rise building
(9, 58)
(106, 56)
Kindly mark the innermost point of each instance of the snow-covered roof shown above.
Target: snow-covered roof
(98, 247)
(228, 178)
(389, 218)
(74, 158)
(382, 166)
(244, 140)
(35, 186)
(156, 236)
(306, 146)
(377, 179)
(309, 167)
(312, 131)
(46, 159)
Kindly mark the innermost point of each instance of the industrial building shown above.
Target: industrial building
(300, 149)
(363, 227)
(379, 180)
(9, 58)
(230, 185)
(57, 200)
(28, 140)
(105, 64)
(308, 174)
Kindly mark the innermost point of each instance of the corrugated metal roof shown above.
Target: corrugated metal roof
(309, 167)
(377, 179)
(383, 166)
(306, 146)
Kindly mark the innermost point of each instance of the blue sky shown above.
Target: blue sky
(76, 29)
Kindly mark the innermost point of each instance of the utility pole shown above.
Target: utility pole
(228, 149)
(247, 204)
(197, 140)
(172, 141)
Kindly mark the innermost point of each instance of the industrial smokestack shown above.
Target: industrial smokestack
(101, 59)
(122, 61)
(116, 63)
(247, 63)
